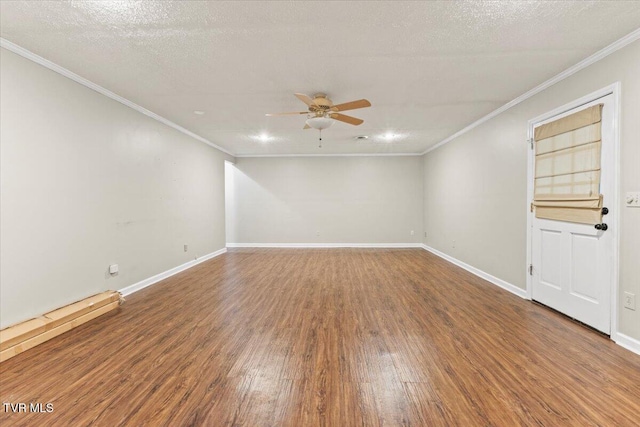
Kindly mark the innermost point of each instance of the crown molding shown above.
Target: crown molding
(331, 155)
(10, 46)
(613, 47)
(601, 54)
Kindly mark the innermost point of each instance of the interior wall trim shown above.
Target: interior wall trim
(324, 245)
(622, 340)
(627, 342)
(617, 45)
(615, 91)
(10, 46)
(332, 155)
(601, 54)
(483, 275)
(175, 270)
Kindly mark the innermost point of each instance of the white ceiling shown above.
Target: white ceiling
(428, 68)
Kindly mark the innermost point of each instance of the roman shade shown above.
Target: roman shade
(567, 168)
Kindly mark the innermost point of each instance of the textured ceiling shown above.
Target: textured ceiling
(428, 68)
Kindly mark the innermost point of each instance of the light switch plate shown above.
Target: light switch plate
(632, 199)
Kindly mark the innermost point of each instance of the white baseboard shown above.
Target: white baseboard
(324, 245)
(161, 276)
(622, 340)
(627, 342)
(486, 276)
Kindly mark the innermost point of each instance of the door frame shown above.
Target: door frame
(614, 90)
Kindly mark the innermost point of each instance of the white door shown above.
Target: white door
(572, 264)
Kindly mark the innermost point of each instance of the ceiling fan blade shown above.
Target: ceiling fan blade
(347, 119)
(361, 103)
(304, 98)
(306, 127)
(286, 114)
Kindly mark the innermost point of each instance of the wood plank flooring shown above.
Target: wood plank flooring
(326, 337)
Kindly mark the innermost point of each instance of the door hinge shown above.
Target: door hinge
(530, 269)
(531, 207)
(530, 141)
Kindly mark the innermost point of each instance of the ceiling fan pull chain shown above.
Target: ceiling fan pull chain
(322, 113)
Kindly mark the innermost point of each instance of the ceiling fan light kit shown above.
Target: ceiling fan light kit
(319, 122)
(322, 113)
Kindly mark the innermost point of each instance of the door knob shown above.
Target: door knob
(605, 211)
(602, 227)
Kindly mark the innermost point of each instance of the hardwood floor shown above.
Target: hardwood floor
(326, 337)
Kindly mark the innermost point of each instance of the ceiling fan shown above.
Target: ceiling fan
(322, 113)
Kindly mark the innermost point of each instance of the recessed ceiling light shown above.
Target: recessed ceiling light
(361, 137)
(198, 113)
(263, 137)
(391, 136)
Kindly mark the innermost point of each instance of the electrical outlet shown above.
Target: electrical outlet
(632, 200)
(186, 248)
(412, 232)
(113, 269)
(629, 301)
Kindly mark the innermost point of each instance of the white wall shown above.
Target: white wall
(87, 182)
(475, 187)
(345, 199)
